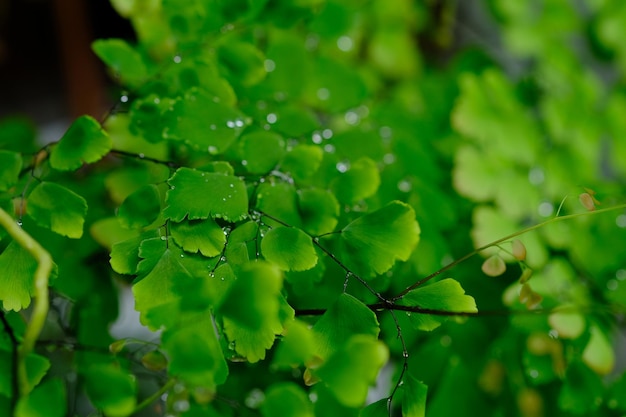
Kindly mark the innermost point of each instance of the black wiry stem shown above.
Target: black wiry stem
(142, 157)
(15, 388)
(405, 362)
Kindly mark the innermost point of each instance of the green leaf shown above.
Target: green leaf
(17, 279)
(125, 254)
(286, 399)
(302, 161)
(205, 236)
(296, 347)
(289, 248)
(46, 400)
(57, 208)
(11, 164)
(351, 369)
(141, 208)
(379, 408)
(360, 181)
(155, 299)
(414, 398)
(319, 210)
(568, 324)
(295, 121)
(444, 295)
(252, 343)
(582, 390)
(335, 85)
(200, 195)
(36, 368)
(123, 60)
(111, 389)
(278, 200)
(252, 300)
(345, 318)
(376, 240)
(260, 151)
(202, 121)
(599, 354)
(195, 353)
(84, 142)
(243, 62)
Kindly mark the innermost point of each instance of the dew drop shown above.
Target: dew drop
(323, 94)
(612, 284)
(212, 127)
(222, 278)
(345, 43)
(536, 176)
(553, 334)
(231, 185)
(163, 238)
(329, 148)
(177, 59)
(534, 373)
(157, 100)
(545, 209)
(124, 99)
(385, 132)
(244, 162)
(269, 65)
(343, 166)
(404, 186)
(141, 156)
(620, 221)
(254, 398)
(216, 99)
(317, 138)
(212, 150)
(19, 223)
(352, 118)
(389, 158)
(182, 255)
(212, 274)
(621, 274)
(405, 355)
(230, 124)
(239, 123)
(445, 340)
(222, 258)
(181, 405)
(327, 133)
(271, 118)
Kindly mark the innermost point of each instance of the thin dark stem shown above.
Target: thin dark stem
(142, 157)
(332, 256)
(15, 387)
(498, 241)
(405, 362)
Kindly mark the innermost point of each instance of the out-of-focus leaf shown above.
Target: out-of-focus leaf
(289, 248)
(57, 208)
(84, 142)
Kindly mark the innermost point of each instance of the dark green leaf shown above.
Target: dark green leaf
(289, 248)
(111, 389)
(279, 201)
(414, 398)
(141, 208)
(319, 210)
(243, 62)
(11, 164)
(46, 400)
(200, 195)
(57, 208)
(84, 142)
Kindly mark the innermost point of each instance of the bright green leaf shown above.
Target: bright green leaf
(568, 324)
(296, 347)
(345, 318)
(17, 279)
(599, 354)
(57, 208)
(376, 240)
(125, 254)
(444, 295)
(200, 195)
(122, 59)
(286, 399)
(360, 181)
(243, 62)
(195, 353)
(141, 208)
(46, 400)
(252, 300)
(36, 368)
(289, 248)
(351, 369)
(11, 164)
(84, 142)
(261, 151)
(111, 389)
(252, 343)
(205, 236)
